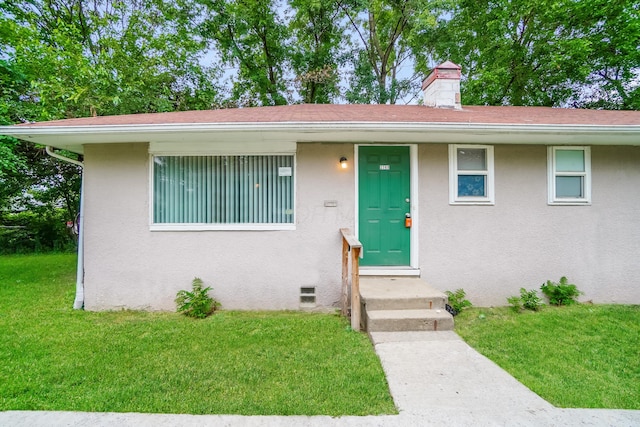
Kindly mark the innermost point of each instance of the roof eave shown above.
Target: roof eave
(74, 137)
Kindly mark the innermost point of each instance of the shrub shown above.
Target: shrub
(457, 302)
(196, 303)
(516, 303)
(561, 293)
(38, 230)
(528, 300)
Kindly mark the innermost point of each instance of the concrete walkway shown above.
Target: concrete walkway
(434, 377)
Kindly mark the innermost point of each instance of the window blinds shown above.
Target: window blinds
(223, 189)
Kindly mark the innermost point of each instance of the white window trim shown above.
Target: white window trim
(551, 177)
(221, 227)
(454, 199)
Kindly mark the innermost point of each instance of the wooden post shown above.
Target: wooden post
(351, 244)
(345, 278)
(355, 289)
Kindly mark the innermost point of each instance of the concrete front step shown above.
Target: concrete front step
(434, 303)
(408, 320)
(394, 304)
(396, 293)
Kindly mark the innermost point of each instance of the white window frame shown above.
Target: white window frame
(552, 174)
(454, 198)
(218, 227)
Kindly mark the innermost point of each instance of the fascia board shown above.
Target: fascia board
(73, 137)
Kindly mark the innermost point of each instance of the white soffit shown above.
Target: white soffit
(194, 137)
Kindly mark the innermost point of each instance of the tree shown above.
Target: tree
(10, 164)
(78, 60)
(38, 197)
(13, 84)
(251, 38)
(383, 30)
(518, 52)
(613, 31)
(318, 39)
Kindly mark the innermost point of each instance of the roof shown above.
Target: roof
(356, 123)
(318, 113)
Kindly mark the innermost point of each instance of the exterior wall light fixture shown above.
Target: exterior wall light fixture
(343, 162)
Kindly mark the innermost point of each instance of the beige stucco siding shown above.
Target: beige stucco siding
(521, 241)
(129, 266)
(490, 251)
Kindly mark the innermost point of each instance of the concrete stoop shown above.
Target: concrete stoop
(397, 304)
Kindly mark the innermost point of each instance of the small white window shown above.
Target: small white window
(471, 174)
(569, 175)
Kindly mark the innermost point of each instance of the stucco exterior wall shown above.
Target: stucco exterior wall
(490, 251)
(128, 266)
(493, 251)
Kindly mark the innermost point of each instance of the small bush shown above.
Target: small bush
(561, 293)
(457, 301)
(528, 300)
(196, 303)
(515, 302)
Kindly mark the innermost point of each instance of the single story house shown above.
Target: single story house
(251, 200)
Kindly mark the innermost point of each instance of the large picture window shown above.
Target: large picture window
(569, 175)
(223, 192)
(471, 174)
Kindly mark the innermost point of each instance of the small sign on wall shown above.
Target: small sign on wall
(385, 167)
(284, 171)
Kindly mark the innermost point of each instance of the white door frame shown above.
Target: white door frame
(413, 269)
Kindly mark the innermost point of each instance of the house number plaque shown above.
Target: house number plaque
(284, 171)
(384, 167)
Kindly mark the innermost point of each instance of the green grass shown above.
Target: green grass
(55, 358)
(582, 356)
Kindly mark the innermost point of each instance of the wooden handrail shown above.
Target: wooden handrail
(353, 245)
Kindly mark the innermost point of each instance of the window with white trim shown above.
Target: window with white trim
(471, 174)
(223, 192)
(569, 179)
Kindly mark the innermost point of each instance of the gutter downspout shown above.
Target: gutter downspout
(78, 303)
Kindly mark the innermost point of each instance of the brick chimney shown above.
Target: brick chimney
(442, 87)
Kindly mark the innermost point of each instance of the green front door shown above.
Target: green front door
(384, 188)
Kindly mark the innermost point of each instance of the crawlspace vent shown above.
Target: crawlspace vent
(308, 296)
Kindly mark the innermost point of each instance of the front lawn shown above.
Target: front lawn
(252, 363)
(582, 356)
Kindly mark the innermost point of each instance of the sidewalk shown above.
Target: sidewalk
(435, 378)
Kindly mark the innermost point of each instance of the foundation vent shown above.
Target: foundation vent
(308, 296)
